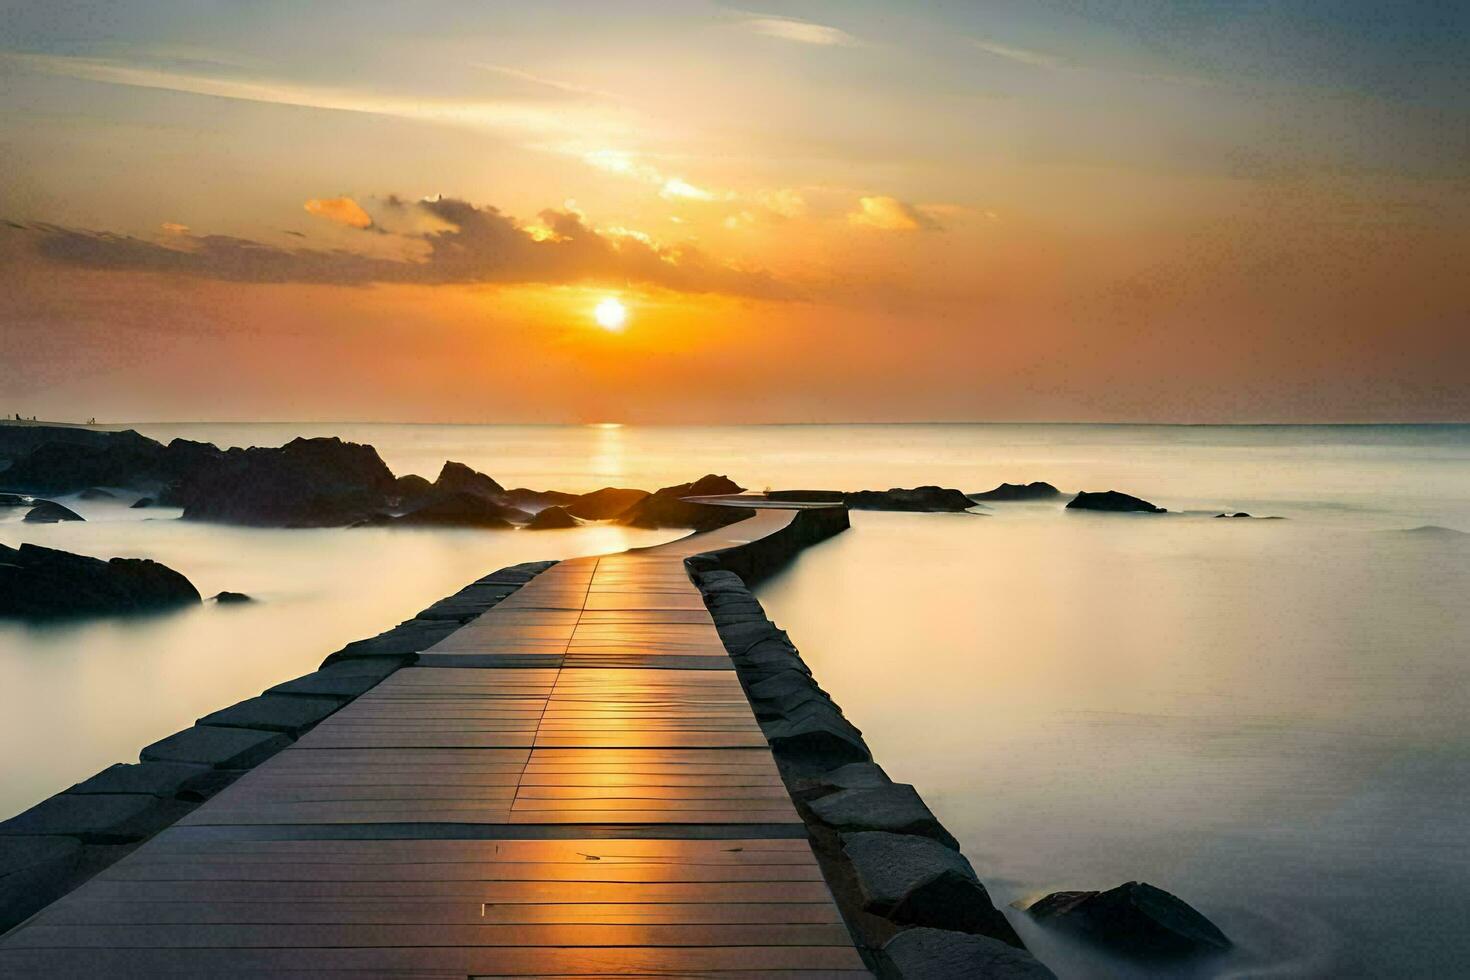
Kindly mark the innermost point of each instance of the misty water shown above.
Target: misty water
(1264, 717)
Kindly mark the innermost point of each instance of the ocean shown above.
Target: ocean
(1265, 717)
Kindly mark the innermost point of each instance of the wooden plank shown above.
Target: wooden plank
(601, 665)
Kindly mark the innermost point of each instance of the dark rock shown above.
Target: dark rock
(37, 583)
(917, 881)
(740, 637)
(96, 493)
(96, 818)
(13, 500)
(461, 509)
(34, 871)
(401, 642)
(50, 512)
(783, 684)
(1435, 531)
(532, 501)
(1018, 491)
(808, 496)
(552, 518)
(232, 598)
(410, 489)
(274, 713)
(21, 440)
(142, 502)
(1238, 514)
(221, 748)
(605, 504)
(305, 483)
(113, 459)
(1133, 919)
(941, 954)
(825, 740)
(928, 499)
(1112, 500)
(667, 508)
(330, 683)
(459, 478)
(161, 779)
(896, 808)
(854, 775)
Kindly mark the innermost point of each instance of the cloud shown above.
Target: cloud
(533, 118)
(343, 210)
(670, 187)
(891, 214)
(801, 31)
(1036, 59)
(472, 245)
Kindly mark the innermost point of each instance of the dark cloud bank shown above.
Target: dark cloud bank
(481, 245)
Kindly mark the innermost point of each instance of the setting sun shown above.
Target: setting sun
(610, 314)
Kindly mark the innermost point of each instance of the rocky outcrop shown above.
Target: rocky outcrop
(114, 459)
(21, 440)
(305, 483)
(533, 501)
(459, 509)
(231, 598)
(409, 490)
(459, 478)
(927, 499)
(41, 583)
(50, 512)
(1112, 500)
(605, 504)
(1134, 919)
(667, 508)
(913, 880)
(96, 493)
(142, 502)
(13, 500)
(552, 518)
(941, 954)
(1010, 492)
(896, 808)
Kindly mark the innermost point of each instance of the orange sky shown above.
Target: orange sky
(846, 212)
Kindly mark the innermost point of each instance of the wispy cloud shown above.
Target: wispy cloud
(520, 117)
(801, 31)
(891, 214)
(671, 187)
(541, 81)
(1025, 56)
(469, 245)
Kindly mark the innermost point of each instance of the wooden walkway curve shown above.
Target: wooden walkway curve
(571, 785)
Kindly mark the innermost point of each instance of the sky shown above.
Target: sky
(1050, 210)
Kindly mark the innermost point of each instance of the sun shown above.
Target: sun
(610, 314)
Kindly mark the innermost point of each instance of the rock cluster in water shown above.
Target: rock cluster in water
(321, 482)
(1008, 492)
(50, 512)
(927, 499)
(1112, 500)
(1134, 919)
(42, 583)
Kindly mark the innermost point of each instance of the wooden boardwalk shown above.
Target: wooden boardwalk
(571, 785)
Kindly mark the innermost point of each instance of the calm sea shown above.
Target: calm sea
(1266, 717)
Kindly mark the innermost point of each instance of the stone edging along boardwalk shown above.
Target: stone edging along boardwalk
(575, 784)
